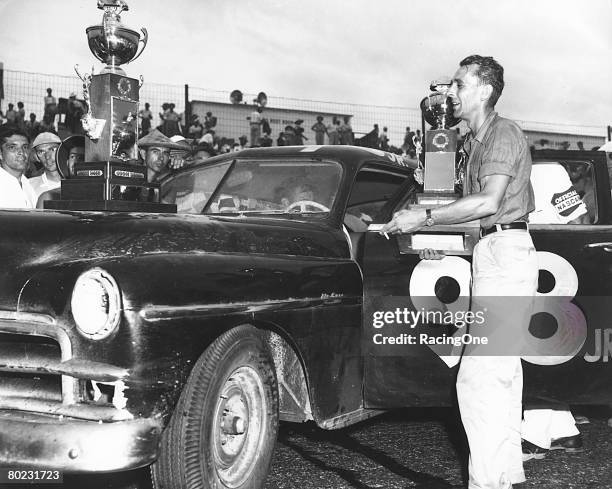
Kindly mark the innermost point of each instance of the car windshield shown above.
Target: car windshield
(256, 187)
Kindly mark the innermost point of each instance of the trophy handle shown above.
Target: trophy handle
(143, 40)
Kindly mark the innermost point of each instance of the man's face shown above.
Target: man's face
(466, 93)
(46, 155)
(302, 193)
(157, 158)
(15, 152)
(76, 155)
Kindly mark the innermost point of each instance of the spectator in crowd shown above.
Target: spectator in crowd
(370, 140)
(266, 140)
(202, 152)
(346, 131)
(74, 113)
(255, 125)
(146, 116)
(243, 142)
(170, 125)
(235, 147)
(287, 137)
(76, 154)
(45, 148)
(50, 109)
(69, 153)
(15, 189)
(409, 146)
(333, 131)
(383, 140)
(580, 145)
(11, 115)
(21, 116)
(210, 121)
(208, 138)
(299, 137)
(32, 127)
(195, 129)
(320, 130)
(155, 149)
(265, 126)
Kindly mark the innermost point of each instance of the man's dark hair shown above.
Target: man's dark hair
(489, 72)
(9, 130)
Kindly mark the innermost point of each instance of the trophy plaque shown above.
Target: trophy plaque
(111, 178)
(439, 177)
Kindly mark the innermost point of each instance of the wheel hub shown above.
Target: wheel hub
(240, 421)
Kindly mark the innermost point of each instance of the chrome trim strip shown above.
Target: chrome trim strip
(160, 313)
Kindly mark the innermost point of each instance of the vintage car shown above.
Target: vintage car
(180, 340)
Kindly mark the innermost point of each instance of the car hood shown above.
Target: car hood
(33, 241)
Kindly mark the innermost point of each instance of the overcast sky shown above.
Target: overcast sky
(557, 54)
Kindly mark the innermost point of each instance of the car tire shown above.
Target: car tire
(224, 428)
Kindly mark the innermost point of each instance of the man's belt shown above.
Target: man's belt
(502, 227)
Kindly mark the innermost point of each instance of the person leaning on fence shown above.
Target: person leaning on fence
(504, 263)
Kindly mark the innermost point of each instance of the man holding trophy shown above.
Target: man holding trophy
(497, 191)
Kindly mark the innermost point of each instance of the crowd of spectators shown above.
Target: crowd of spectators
(63, 116)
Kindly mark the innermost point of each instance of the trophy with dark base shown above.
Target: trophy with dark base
(111, 178)
(439, 176)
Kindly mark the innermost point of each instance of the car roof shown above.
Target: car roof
(351, 156)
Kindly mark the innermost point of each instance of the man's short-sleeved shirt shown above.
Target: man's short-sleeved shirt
(556, 199)
(14, 195)
(500, 148)
(41, 184)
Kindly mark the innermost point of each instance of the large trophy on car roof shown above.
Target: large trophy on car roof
(439, 175)
(111, 177)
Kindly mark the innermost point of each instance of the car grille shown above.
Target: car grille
(22, 367)
(31, 349)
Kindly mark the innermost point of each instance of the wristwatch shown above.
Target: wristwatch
(429, 221)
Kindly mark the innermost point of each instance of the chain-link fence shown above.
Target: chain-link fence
(30, 88)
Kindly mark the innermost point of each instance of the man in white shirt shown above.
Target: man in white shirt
(45, 147)
(15, 190)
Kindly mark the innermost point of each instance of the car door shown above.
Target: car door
(576, 261)
(569, 255)
(399, 374)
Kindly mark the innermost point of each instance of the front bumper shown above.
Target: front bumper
(71, 445)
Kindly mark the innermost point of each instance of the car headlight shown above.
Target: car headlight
(96, 304)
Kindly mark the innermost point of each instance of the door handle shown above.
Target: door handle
(607, 246)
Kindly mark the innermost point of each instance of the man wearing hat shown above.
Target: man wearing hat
(15, 189)
(299, 133)
(45, 147)
(155, 151)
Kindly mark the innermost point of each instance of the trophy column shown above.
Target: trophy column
(111, 178)
(438, 179)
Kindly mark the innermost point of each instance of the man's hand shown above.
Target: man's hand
(405, 221)
(429, 254)
(176, 162)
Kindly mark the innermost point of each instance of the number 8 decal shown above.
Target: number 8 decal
(571, 330)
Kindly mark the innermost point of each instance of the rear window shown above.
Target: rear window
(564, 193)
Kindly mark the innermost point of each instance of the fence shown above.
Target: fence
(30, 88)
